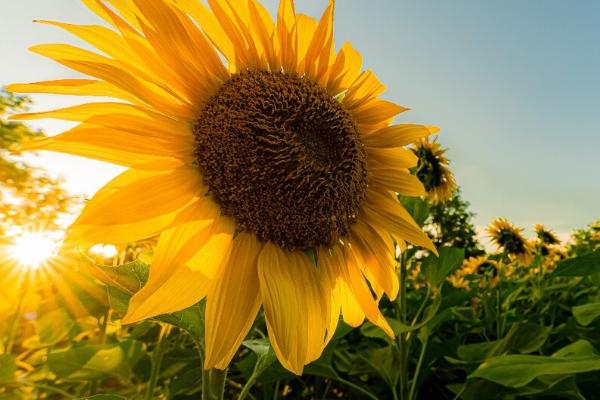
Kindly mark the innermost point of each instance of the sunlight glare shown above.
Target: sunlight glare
(32, 249)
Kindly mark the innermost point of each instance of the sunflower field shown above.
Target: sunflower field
(275, 234)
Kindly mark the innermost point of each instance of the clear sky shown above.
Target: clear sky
(514, 85)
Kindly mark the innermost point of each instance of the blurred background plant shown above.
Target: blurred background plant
(470, 324)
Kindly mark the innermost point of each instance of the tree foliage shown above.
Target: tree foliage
(450, 224)
(29, 197)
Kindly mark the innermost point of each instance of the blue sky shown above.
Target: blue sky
(514, 85)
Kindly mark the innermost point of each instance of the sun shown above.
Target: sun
(32, 249)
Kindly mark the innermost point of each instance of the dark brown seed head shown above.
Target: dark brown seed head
(283, 158)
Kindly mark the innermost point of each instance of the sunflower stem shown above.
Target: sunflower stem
(213, 384)
(402, 338)
(157, 356)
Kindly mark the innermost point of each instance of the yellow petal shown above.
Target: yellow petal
(364, 89)
(208, 258)
(182, 46)
(305, 30)
(361, 292)
(376, 257)
(383, 210)
(236, 31)
(124, 148)
(171, 285)
(399, 181)
(287, 35)
(137, 195)
(395, 158)
(263, 29)
(345, 69)
(372, 115)
(210, 25)
(289, 283)
(124, 76)
(87, 235)
(75, 87)
(398, 135)
(110, 115)
(232, 303)
(320, 52)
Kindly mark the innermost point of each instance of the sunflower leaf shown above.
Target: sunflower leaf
(579, 266)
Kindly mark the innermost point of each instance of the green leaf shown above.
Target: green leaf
(128, 278)
(579, 349)
(95, 361)
(586, 313)
(54, 326)
(106, 397)
(523, 338)
(190, 320)
(437, 269)
(517, 370)
(579, 266)
(8, 367)
(416, 207)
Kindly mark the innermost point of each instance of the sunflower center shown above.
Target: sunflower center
(510, 241)
(283, 158)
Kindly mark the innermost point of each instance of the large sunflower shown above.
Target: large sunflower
(510, 239)
(263, 158)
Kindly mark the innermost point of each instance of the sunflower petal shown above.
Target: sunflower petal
(288, 283)
(232, 303)
(364, 89)
(396, 158)
(375, 114)
(382, 210)
(399, 181)
(137, 195)
(75, 87)
(398, 135)
(345, 69)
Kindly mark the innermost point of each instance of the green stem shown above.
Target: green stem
(403, 339)
(157, 356)
(357, 388)
(263, 362)
(413, 386)
(213, 384)
(12, 332)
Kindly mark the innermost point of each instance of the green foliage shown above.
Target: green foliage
(28, 196)
(585, 240)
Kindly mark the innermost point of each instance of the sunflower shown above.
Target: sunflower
(264, 160)
(545, 235)
(434, 171)
(474, 266)
(509, 239)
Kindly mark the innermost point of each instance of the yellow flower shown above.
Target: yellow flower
(250, 145)
(434, 171)
(545, 235)
(509, 238)
(473, 266)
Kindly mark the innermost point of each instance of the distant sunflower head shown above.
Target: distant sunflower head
(433, 170)
(249, 142)
(510, 239)
(545, 235)
(480, 265)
